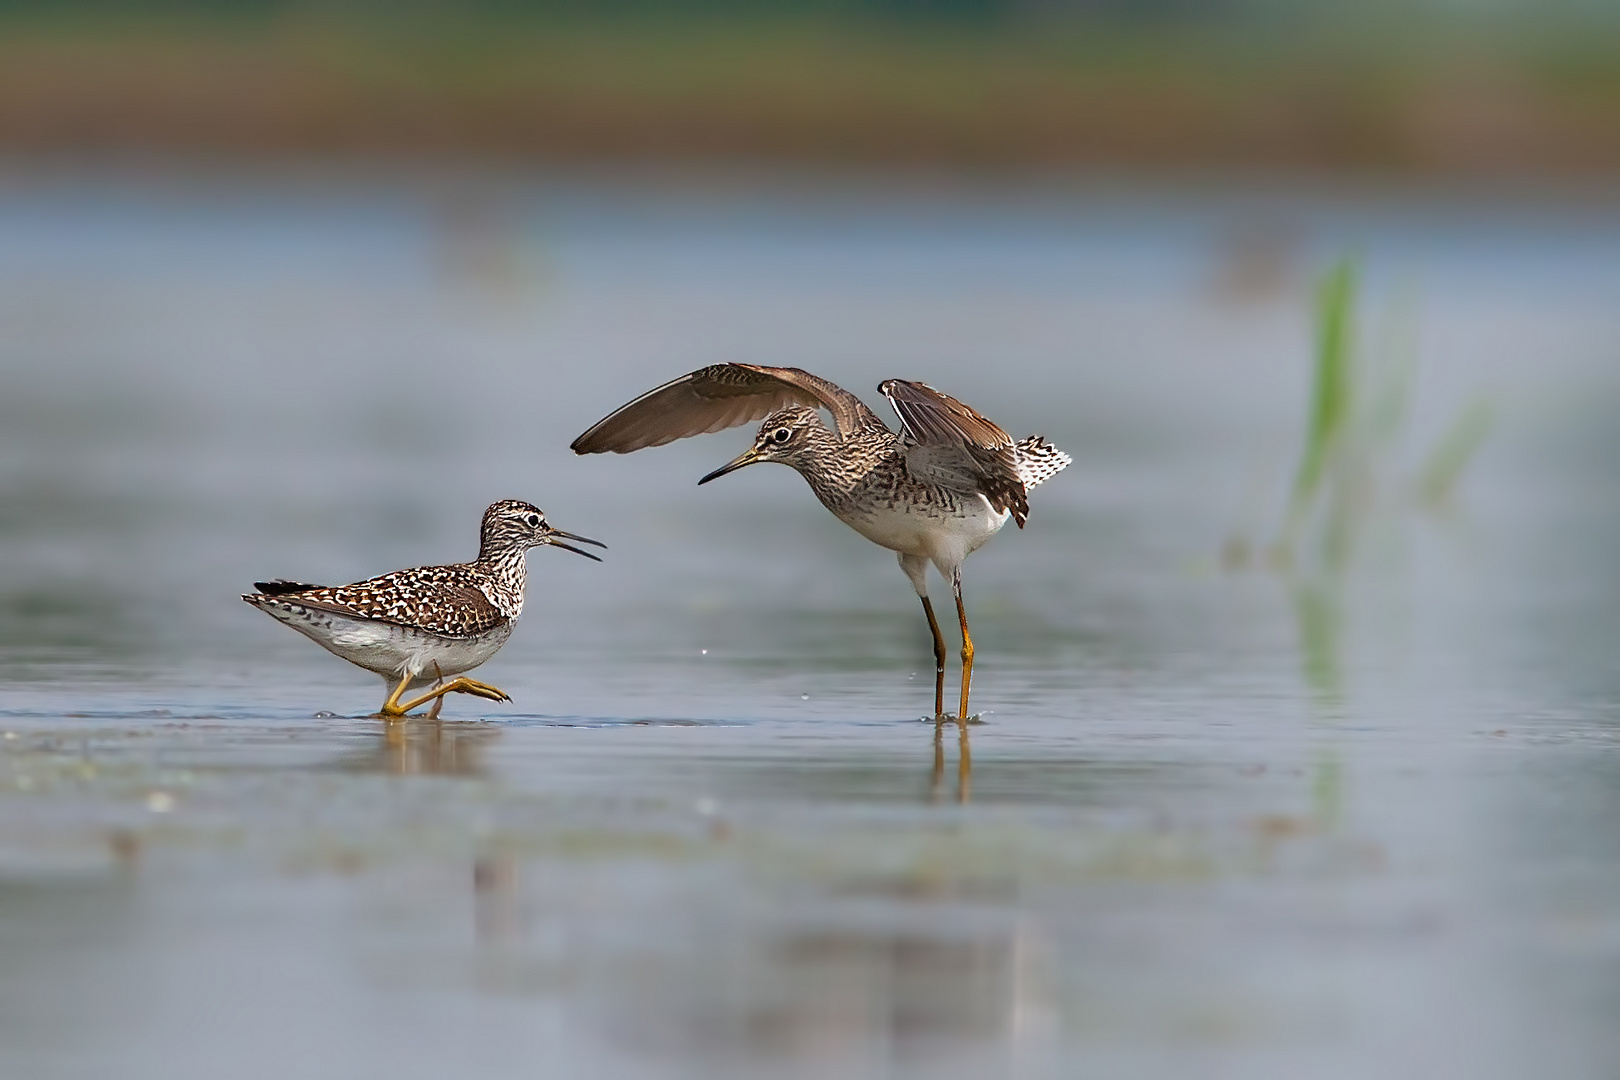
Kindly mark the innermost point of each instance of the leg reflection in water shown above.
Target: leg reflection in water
(964, 764)
(420, 746)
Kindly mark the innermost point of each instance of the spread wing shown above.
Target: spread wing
(719, 397)
(950, 444)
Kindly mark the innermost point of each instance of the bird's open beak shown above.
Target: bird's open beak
(552, 541)
(747, 457)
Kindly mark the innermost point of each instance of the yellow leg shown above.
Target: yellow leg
(390, 708)
(393, 708)
(463, 685)
(939, 659)
(967, 650)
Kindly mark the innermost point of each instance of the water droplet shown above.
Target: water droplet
(706, 806)
(804, 697)
(324, 715)
(705, 652)
(160, 802)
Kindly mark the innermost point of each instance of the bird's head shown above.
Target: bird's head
(787, 436)
(513, 523)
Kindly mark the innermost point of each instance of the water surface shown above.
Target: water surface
(1351, 819)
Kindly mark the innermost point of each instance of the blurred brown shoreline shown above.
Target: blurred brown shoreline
(813, 94)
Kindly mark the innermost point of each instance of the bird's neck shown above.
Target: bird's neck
(506, 575)
(836, 470)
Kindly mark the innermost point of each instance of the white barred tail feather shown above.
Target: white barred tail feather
(1039, 460)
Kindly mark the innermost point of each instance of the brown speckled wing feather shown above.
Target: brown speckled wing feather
(439, 599)
(952, 444)
(718, 397)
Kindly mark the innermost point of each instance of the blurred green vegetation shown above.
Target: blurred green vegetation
(1331, 390)
(1351, 483)
(1360, 402)
(1135, 83)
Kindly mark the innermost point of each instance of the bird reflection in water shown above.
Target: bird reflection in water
(964, 765)
(426, 748)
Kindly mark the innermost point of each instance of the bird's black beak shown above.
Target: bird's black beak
(747, 457)
(578, 539)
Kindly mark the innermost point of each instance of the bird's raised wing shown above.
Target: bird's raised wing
(951, 444)
(718, 397)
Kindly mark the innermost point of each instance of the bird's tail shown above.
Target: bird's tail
(1039, 460)
(283, 587)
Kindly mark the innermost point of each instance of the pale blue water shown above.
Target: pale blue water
(1219, 821)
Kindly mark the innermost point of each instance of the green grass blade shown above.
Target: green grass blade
(1331, 390)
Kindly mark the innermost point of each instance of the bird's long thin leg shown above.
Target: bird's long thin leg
(393, 709)
(967, 649)
(390, 708)
(462, 685)
(916, 568)
(939, 659)
(438, 702)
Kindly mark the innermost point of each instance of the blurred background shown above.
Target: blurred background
(1461, 89)
(1297, 754)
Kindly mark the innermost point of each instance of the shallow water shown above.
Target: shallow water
(1351, 819)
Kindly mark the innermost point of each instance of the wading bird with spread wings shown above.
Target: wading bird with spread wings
(935, 492)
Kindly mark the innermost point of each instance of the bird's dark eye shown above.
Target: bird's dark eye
(782, 435)
(533, 520)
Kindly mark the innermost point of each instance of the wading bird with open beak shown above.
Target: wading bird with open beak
(935, 492)
(418, 626)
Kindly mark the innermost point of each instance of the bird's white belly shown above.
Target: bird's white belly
(944, 536)
(388, 649)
